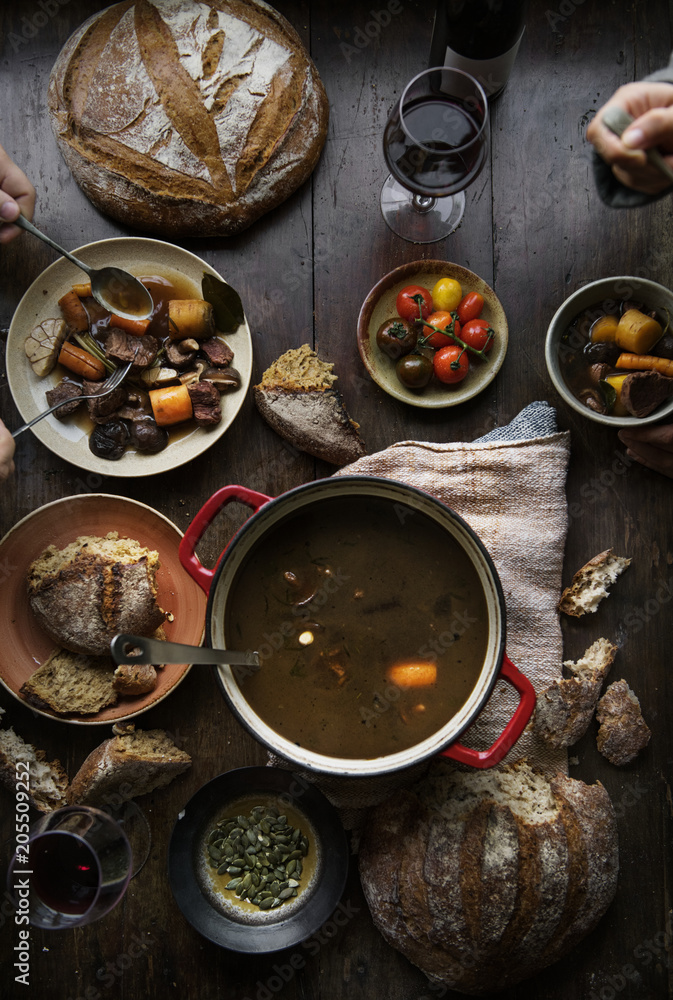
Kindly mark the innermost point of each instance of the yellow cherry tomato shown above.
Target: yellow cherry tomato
(446, 294)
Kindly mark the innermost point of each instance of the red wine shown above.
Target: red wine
(437, 150)
(65, 872)
(480, 37)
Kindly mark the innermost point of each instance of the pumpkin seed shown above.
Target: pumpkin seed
(285, 893)
(266, 904)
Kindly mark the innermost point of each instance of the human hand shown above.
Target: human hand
(6, 452)
(651, 104)
(17, 194)
(651, 446)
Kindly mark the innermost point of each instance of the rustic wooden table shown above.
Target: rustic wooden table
(535, 230)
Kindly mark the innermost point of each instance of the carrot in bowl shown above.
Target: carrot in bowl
(645, 362)
(77, 360)
(135, 326)
(171, 405)
(412, 673)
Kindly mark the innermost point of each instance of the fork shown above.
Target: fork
(110, 384)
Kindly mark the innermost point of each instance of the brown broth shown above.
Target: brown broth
(371, 588)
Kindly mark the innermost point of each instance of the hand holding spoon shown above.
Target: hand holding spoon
(115, 289)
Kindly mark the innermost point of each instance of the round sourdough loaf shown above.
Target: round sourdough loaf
(484, 878)
(185, 118)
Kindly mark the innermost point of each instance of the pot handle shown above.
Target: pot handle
(194, 533)
(511, 732)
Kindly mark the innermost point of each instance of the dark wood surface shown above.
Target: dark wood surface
(535, 230)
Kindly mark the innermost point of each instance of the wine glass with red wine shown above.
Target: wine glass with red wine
(73, 868)
(435, 144)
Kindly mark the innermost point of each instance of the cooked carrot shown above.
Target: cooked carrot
(81, 362)
(637, 333)
(190, 318)
(74, 312)
(412, 673)
(135, 326)
(645, 362)
(171, 405)
(83, 290)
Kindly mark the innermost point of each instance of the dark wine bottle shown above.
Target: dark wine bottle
(480, 37)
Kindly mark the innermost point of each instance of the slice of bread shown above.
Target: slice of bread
(298, 400)
(134, 762)
(46, 780)
(84, 594)
(623, 732)
(70, 683)
(564, 709)
(590, 584)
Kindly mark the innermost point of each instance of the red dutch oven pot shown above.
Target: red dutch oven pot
(267, 512)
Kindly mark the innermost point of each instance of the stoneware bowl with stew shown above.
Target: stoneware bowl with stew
(609, 331)
(258, 860)
(379, 621)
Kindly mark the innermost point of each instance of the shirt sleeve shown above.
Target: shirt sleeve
(610, 190)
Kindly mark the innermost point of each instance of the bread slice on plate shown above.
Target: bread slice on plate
(46, 780)
(68, 683)
(564, 709)
(131, 763)
(298, 400)
(623, 732)
(590, 583)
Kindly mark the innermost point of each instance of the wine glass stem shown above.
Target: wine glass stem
(423, 204)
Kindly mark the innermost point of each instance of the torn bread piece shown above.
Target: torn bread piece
(46, 781)
(590, 583)
(564, 709)
(69, 683)
(623, 732)
(134, 762)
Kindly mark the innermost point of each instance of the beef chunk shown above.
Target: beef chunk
(643, 392)
(121, 347)
(218, 353)
(64, 390)
(205, 403)
(100, 410)
(176, 358)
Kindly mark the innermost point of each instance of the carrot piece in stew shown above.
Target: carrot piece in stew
(74, 312)
(79, 361)
(645, 362)
(171, 405)
(135, 326)
(412, 673)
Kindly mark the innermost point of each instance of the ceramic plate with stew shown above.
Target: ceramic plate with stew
(292, 893)
(69, 438)
(26, 646)
(379, 306)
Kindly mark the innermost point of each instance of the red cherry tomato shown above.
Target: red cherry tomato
(470, 307)
(444, 320)
(478, 334)
(451, 364)
(407, 303)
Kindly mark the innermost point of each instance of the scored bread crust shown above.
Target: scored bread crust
(622, 732)
(565, 708)
(590, 583)
(483, 879)
(184, 118)
(131, 763)
(94, 588)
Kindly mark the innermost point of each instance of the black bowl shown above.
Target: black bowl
(215, 913)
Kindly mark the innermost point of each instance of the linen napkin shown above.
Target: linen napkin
(509, 485)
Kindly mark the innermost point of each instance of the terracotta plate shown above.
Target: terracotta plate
(25, 646)
(380, 306)
(68, 438)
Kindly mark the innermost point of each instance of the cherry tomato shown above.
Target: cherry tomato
(476, 334)
(407, 304)
(396, 337)
(444, 320)
(451, 364)
(470, 307)
(414, 370)
(446, 294)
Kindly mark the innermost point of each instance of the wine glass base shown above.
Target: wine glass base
(418, 219)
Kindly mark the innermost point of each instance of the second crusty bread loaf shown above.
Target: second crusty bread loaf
(84, 594)
(187, 118)
(134, 762)
(484, 878)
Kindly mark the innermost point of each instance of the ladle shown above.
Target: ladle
(115, 289)
(126, 648)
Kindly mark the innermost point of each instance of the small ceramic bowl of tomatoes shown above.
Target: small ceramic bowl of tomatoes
(432, 333)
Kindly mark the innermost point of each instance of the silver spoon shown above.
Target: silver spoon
(618, 120)
(115, 289)
(126, 648)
